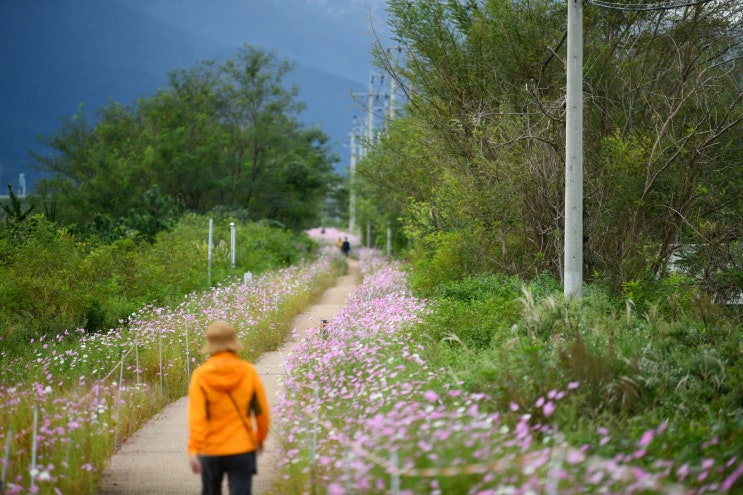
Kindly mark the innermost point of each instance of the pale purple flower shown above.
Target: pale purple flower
(662, 427)
(732, 478)
(575, 456)
(683, 471)
(430, 396)
(425, 446)
(647, 437)
(336, 488)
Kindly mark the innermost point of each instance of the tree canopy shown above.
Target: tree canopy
(218, 135)
(475, 168)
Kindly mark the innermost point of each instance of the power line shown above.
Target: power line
(635, 7)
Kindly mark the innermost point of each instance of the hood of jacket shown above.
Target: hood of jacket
(223, 371)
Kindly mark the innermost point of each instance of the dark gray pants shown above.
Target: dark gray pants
(239, 469)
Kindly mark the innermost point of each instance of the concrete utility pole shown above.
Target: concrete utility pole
(393, 89)
(370, 139)
(370, 114)
(573, 269)
(352, 178)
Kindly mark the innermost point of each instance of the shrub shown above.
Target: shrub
(674, 360)
(439, 259)
(51, 281)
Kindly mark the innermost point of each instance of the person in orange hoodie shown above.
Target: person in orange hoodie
(228, 417)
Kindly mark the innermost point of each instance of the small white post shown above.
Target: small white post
(232, 244)
(160, 352)
(118, 401)
(209, 253)
(34, 443)
(69, 443)
(347, 468)
(136, 359)
(395, 478)
(188, 356)
(6, 457)
(313, 440)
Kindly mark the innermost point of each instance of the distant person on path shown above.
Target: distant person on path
(345, 247)
(228, 417)
(339, 244)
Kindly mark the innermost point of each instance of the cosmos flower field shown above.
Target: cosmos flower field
(67, 405)
(363, 413)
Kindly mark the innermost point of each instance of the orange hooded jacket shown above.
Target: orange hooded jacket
(215, 428)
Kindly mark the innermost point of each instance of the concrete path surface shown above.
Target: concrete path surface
(154, 460)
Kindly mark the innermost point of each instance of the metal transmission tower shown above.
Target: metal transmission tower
(363, 136)
(573, 277)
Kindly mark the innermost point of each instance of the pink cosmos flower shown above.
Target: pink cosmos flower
(730, 480)
(336, 488)
(575, 457)
(647, 437)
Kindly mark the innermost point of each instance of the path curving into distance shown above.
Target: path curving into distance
(154, 460)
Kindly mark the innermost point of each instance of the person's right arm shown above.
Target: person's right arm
(196, 421)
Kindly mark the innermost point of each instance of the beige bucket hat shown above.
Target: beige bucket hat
(221, 336)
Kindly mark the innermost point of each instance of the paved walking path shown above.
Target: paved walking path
(154, 460)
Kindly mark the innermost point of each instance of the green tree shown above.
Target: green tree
(668, 113)
(217, 136)
(480, 153)
(186, 142)
(278, 168)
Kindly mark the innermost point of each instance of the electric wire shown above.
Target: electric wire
(634, 7)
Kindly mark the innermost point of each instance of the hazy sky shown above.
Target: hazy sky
(332, 35)
(58, 55)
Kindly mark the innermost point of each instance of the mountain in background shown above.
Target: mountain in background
(59, 54)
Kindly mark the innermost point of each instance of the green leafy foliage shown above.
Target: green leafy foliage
(52, 281)
(473, 311)
(216, 136)
(478, 156)
(674, 360)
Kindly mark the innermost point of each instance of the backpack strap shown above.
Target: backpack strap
(206, 402)
(245, 424)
